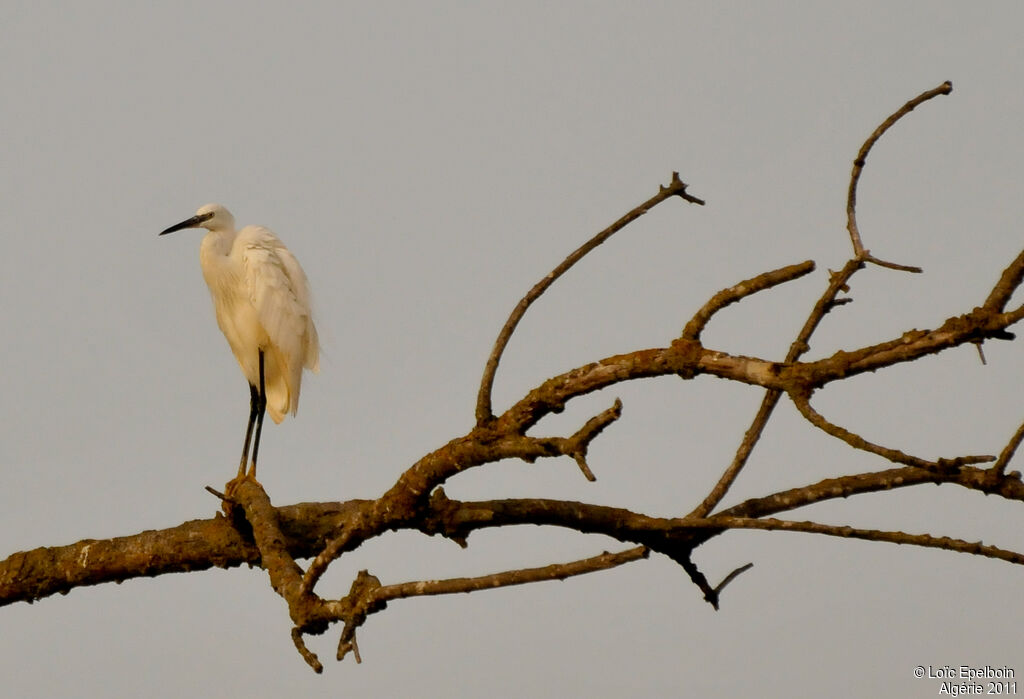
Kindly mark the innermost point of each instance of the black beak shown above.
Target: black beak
(193, 222)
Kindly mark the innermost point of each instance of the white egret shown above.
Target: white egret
(261, 299)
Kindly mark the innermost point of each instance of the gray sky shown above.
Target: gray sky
(427, 163)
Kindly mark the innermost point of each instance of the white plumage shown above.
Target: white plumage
(262, 302)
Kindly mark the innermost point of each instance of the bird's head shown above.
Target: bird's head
(212, 217)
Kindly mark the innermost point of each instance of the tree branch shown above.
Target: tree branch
(893, 537)
(675, 188)
(858, 167)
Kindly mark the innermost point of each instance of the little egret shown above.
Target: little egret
(261, 298)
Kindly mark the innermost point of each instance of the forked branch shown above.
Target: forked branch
(675, 188)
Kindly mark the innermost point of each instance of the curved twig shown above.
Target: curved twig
(858, 167)
(803, 405)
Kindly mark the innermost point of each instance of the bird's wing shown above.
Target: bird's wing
(301, 287)
(279, 292)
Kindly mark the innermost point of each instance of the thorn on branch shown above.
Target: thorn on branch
(843, 274)
(981, 351)
(678, 188)
(838, 302)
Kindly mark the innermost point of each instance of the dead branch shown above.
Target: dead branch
(740, 291)
(675, 188)
(999, 467)
(858, 167)
(926, 540)
(803, 404)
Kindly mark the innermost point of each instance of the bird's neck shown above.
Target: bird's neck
(217, 242)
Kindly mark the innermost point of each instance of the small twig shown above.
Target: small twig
(318, 566)
(712, 595)
(484, 412)
(555, 571)
(1008, 282)
(732, 576)
(803, 405)
(362, 601)
(218, 494)
(858, 167)
(579, 443)
(529, 449)
(737, 292)
(367, 599)
(349, 643)
(891, 265)
(1008, 451)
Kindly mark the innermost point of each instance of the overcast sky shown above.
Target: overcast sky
(427, 163)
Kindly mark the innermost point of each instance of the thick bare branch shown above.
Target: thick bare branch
(200, 544)
(285, 574)
(688, 359)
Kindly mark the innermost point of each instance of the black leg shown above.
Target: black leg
(262, 408)
(253, 409)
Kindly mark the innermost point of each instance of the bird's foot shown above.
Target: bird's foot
(232, 486)
(251, 474)
(229, 503)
